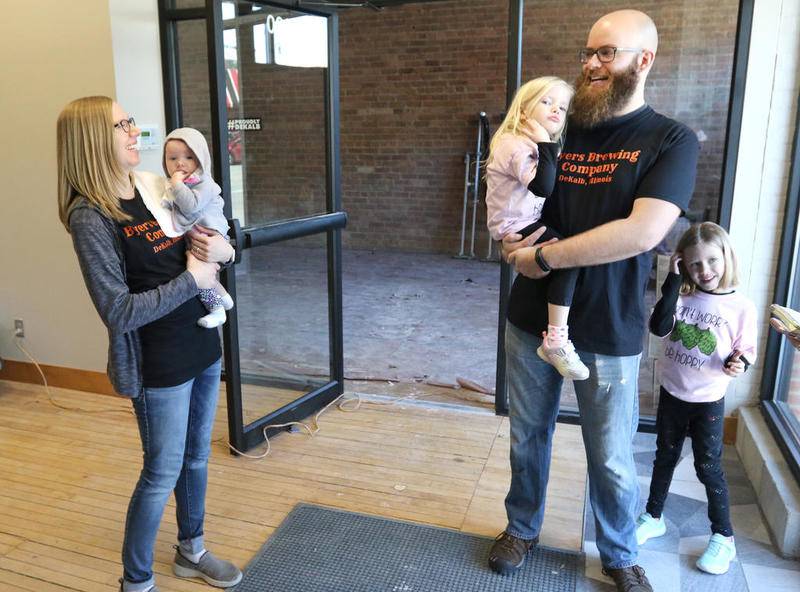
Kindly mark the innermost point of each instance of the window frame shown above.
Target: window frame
(777, 373)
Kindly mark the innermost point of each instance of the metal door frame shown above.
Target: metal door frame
(244, 437)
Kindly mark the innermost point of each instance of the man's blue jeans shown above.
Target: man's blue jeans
(609, 409)
(175, 428)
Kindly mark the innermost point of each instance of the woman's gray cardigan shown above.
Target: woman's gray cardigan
(99, 249)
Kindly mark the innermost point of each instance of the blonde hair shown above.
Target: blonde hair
(528, 94)
(87, 161)
(708, 233)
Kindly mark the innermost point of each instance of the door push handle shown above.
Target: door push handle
(237, 238)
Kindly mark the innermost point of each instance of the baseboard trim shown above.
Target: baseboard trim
(70, 378)
(729, 430)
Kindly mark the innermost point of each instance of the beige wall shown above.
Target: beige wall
(50, 53)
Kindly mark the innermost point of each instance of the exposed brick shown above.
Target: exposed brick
(413, 79)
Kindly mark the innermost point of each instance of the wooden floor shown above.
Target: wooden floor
(66, 476)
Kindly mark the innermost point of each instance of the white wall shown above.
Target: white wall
(50, 54)
(773, 81)
(137, 66)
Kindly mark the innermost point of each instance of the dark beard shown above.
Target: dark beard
(590, 109)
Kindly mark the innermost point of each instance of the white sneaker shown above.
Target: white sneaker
(648, 527)
(213, 319)
(718, 555)
(565, 359)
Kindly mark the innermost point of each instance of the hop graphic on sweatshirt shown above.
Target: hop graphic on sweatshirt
(692, 336)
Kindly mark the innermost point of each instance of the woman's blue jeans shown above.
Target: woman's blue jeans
(609, 410)
(175, 428)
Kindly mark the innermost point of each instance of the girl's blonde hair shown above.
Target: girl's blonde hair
(528, 94)
(708, 233)
(87, 161)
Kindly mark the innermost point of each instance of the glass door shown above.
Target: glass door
(261, 80)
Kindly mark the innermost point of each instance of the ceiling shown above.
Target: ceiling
(374, 4)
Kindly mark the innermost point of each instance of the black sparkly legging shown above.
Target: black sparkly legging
(702, 422)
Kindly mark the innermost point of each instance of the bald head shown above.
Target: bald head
(626, 28)
(614, 84)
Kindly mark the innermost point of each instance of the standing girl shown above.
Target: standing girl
(144, 286)
(712, 338)
(520, 176)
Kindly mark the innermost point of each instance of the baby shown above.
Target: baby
(192, 197)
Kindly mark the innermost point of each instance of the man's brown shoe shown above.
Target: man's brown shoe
(629, 579)
(508, 553)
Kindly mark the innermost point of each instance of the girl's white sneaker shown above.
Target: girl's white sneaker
(648, 527)
(565, 360)
(718, 555)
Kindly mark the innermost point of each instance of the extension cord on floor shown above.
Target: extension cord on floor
(18, 337)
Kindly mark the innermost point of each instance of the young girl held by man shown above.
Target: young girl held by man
(712, 335)
(520, 176)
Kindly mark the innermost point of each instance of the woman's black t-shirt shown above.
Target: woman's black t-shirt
(174, 348)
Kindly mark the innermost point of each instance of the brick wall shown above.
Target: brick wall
(193, 66)
(414, 77)
(284, 172)
(691, 77)
(413, 80)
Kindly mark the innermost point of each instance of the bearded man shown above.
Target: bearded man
(624, 176)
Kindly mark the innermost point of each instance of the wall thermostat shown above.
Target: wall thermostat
(150, 138)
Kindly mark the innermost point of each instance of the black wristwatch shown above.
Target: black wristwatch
(539, 258)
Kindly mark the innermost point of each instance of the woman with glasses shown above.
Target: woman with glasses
(144, 286)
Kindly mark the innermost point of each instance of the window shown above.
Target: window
(299, 41)
(781, 382)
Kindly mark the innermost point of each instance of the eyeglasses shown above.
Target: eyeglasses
(605, 54)
(125, 124)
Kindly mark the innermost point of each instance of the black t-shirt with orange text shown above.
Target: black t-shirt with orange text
(601, 171)
(174, 348)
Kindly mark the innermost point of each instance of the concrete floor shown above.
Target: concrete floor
(670, 559)
(409, 318)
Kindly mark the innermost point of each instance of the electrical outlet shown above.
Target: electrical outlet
(19, 328)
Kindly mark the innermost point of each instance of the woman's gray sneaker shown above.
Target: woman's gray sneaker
(122, 587)
(217, 572)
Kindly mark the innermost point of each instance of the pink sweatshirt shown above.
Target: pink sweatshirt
(510, 206)
(708, 328)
